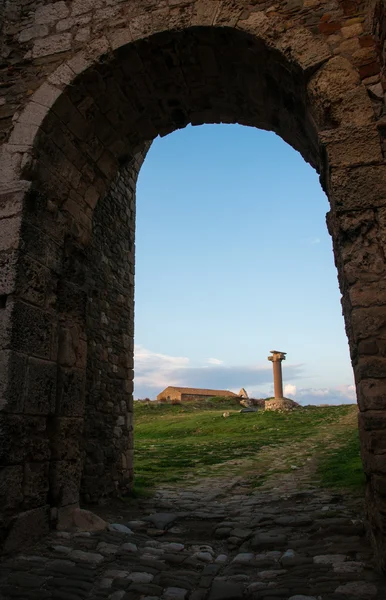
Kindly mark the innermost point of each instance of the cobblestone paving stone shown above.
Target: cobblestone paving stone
(214, 541)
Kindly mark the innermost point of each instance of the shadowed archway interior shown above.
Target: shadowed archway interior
(88, 156)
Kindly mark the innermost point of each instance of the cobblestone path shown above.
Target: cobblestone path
(216, 541)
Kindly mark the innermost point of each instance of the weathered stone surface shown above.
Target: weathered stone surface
(281, 404)
(77, 519)
(120, 528)
(329, 559)
(175, 593)
(264, 541)
(26, 527)
(357, 589)
(70, 156)
(226, 591)
(92, 558)
(70, 565)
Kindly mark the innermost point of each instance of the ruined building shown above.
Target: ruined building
(185, 394)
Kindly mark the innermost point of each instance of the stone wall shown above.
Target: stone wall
(108, 465)
(192, 398)
(86, 86)
(197, 398)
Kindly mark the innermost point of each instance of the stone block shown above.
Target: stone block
(83, 34)
(8, 271)
(46, 95)
(33, 113)
(80, 62)
(10, 233)
(24, 134)
(372, 394)
(67, 436)
(379, 484)
(13, 369)
(119, 37)
(72, 299)
(357, 188)
(337, 98)
(368, 293)
(40, 394)
(374, 441)
(71, 392)
(372, 420)
(352, 31)
(11, 492)
(22, 439)
(11, 157)
(80, 7)
(67, 350)
(26, 528)
(53, 44)
(32, 331)
(304, 48)
(34, 31)
(35, 486)
(370, 367)
(92, 196)
(73, 518)
(374, 463)
(363, 264)
(42, 247)
(368, 322)
(352, 146)
(50, 13)
(204, 13)
(65, 482)
(62, 76)
(369, 348)
(34, 281)
(11, 203)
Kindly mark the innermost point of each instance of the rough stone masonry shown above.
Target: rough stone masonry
(85, 87)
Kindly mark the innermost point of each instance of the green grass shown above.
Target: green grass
(175, 442)
(343, 465)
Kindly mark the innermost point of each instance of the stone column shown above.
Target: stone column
(276, 360)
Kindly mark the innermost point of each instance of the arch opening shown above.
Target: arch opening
(232, 253)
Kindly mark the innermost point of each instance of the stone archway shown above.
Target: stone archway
(71, 158)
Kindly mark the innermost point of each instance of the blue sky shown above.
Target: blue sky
(233, 259)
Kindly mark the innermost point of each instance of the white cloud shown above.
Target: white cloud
(215, 361)
(155, 371)
(341, 394)
(315, 240)
(290, 389)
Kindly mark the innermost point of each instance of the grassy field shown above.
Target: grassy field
(175, 443)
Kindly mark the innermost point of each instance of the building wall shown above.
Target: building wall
(197, 397)
(169, 393)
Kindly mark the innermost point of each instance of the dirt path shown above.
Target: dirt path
(279, 465)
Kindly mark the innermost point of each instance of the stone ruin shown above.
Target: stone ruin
(281, 404)
(278, 404)
(87, 85)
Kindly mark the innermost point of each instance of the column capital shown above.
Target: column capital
(277, 356)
